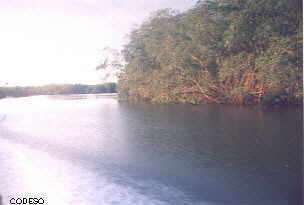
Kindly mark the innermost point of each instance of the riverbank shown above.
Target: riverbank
(266, 100)
(57, 89)
(75, 96)
(273, 101)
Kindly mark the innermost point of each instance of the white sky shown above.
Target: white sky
(60, 41)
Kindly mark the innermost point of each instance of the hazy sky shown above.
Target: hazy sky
(60, 41)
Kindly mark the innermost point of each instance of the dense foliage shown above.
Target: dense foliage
(57, 90)
(220, 51)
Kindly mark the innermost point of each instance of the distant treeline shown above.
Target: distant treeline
(57, 90)
(220, 51)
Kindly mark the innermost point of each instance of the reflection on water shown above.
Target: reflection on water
(37, 174)
(93, 150)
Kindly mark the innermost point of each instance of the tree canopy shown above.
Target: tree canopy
(220, 51)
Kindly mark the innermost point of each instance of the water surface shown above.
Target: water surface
(92, 150)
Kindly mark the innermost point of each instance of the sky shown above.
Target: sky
(60, 41)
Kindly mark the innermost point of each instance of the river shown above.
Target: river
(94, 150)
